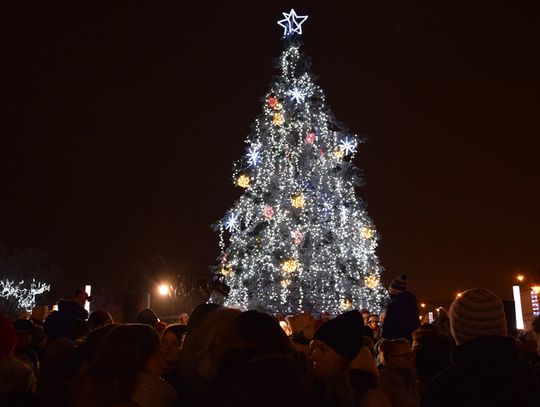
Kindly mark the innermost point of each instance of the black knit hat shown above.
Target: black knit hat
(398, 285)
(344, 334)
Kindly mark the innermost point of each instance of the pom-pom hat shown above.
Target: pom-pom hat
(398, 285)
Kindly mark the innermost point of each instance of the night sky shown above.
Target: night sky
(124, 121)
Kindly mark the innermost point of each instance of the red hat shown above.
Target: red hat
(8, 337)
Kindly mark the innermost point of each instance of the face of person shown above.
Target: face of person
(156, 365)
(399, 356)
(170, 346)
(327, 364)
(373, 324)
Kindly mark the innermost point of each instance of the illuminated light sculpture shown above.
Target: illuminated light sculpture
(292, 23)
(23, 295)
(253, 156)
(243, 181)
(317, 254)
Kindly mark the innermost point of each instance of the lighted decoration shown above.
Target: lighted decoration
(337, 262)
(348, 146)
(272, 101)
(366, 233)
(297, 236)
(268, 212)
(227, 269)
(253, 156)
(243, 181)
(292, 23)
(231, 224)
(371, 281)
(339, 153)
(345, 304)
(296, 95)
(298, 200)
(277, 119)
(22, 293)
(288, 266)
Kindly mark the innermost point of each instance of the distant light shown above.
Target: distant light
(163, 289)
(459, 295)
(88, 290)
(430, 317)
(519, 311)
(423, 305)
(520, 277)
(536, 289)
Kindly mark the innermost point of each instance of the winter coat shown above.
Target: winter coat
(400, 386)
(484, 372)
(402, 317)
(60, 323)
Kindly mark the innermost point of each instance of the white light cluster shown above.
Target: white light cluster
(24, 295)
(325, 237)
(292, 23)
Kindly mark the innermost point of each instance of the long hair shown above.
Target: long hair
(111, 378)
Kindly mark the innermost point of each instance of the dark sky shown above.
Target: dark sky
(124, 120)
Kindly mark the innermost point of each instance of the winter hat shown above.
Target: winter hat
(398, 285)
(344, 334)
(477, 312)
(8, 337)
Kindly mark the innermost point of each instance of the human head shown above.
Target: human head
(396, 353)
(365, 316)
(199, 314)
(99, 318)
(81, 297)
(172, 339)
(398, 285)
(336, 343)
(24, 329)
(477, 312)
(373, 322)
(183, 318)
(148, 317)
(536, 330)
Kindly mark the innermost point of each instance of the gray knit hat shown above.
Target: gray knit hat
(477, 312)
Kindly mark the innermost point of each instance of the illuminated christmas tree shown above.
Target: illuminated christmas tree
(299, 239)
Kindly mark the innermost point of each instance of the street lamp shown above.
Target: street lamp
(520, 277)
(423, 305)
(163, 289)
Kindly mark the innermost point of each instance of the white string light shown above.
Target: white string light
(24, 296)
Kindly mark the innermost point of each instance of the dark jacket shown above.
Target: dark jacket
(484, 372)
(402, 317)
(60, 323)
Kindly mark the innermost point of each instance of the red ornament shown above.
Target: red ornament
(272, 101)
(268, 212)
(310, 137)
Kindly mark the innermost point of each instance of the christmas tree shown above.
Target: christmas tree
(299, 239)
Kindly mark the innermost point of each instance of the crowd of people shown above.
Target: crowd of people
(220, 356)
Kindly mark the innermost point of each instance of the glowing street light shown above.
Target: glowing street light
(536, 289)
(163, 289)
(520, 277)
(458, 295)
(423, 305)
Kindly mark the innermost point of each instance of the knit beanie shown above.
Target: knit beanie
(344, 334)
(8, 337)
(398, 285)
(477, 312)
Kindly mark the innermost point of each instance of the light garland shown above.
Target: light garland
(297, 239)
(24, 295)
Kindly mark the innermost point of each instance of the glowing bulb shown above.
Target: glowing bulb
(423, 305)
(243, 181)
(285, 283)
(366, 233)
(536, 289)
(288, 266)
(520, 277)
(339, 153)
(371, 281)
(458, 295)
(298, 200)
(277, 119)
(163, 289)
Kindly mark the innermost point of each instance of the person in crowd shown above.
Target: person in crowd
(373, 324)
(126, 371)
(17, 380)
(203, 346)
(39, 314)
(160, 327)
(365, 315)
(99, 318)
(303, 329)
(148, 317)
(402, 314)
(344, 370)
(183, 318)
(485, 367)
(442, 322)
(24, 350)
(172, 339)
(258, 366)
(60, 362)
(398, 373)
(431, 352)
(199, 314)
(535, 367)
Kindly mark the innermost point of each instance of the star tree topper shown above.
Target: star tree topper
(292, 23)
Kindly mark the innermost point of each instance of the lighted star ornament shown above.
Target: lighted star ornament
(292, 23)
(297, 95)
